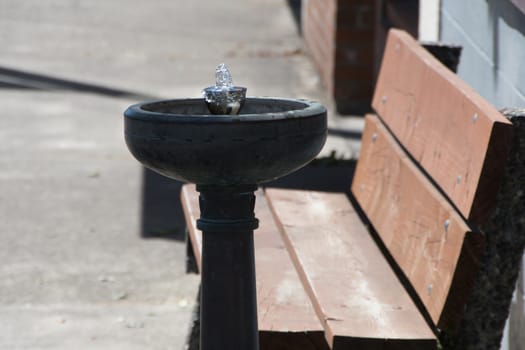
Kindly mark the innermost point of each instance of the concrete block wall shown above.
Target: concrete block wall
(514, 339)
(339, 35)
(492, 34)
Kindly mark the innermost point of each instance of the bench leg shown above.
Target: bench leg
(228, 294)
(191, 261)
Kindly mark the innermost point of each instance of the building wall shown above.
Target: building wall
(354, 56)
(492, 33)
(339, 35)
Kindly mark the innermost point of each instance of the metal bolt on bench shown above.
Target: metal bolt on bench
(227, 144)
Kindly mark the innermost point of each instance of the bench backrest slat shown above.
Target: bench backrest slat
(452, 132)
(425, 235)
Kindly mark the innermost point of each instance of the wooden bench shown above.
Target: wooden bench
(428, 253)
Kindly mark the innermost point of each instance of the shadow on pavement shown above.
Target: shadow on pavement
(320, 175)
(17, 79)
(162, 215)
(347, 134)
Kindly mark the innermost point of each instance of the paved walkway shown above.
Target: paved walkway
(91, 255)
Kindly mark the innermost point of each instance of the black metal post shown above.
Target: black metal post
(228, 294)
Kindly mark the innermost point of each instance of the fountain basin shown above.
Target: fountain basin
(270, 138)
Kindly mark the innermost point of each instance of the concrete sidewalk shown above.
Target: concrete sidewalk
(92, 256)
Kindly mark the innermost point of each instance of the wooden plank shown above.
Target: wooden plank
(285, 312)
(453, 133)
(189, 198)
(428, 239)
(354, 291)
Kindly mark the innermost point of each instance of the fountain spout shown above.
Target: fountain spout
(224, 97)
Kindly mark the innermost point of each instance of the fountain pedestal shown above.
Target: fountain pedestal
(227, 156)
(228, 291)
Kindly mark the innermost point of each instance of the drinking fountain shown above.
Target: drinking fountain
(227, 144)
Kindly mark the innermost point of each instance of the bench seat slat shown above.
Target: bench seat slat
(283, 306)
(428, 239)
(354, 291)
(453, 133)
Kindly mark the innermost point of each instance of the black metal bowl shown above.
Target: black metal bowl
(272, 137)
